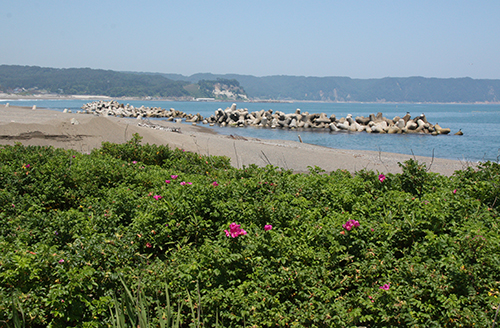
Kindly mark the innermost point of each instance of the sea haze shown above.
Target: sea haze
(480, 124)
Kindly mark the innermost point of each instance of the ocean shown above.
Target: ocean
(480, 124)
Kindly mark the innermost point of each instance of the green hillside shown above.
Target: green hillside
(86, 81)
(410, 89)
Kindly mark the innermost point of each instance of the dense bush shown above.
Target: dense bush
(313, 250)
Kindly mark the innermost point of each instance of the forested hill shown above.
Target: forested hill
(410, 89)
(86, 81)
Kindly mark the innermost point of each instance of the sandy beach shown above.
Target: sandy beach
(83, 132)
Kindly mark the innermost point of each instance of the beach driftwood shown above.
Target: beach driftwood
(159, 127)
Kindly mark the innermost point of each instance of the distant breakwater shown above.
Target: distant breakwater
(240, 117)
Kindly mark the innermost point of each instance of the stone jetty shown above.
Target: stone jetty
(113, 108)
(239, 117)
(232, 116)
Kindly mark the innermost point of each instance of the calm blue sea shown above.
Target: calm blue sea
(479, 123)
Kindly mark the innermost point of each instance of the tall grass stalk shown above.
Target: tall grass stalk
(137, 307)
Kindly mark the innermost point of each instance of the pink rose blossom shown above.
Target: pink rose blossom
(215, 183)
(173, 176)
(148, 245)
(454, 191)
(235, 230)
(183, 183)
(385, 287)
(61, 261)
(350, 224)
(381, 178)
(157, 197)
(268, 227)
(167, 181)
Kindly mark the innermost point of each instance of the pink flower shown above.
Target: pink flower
(167, 181)
(215, 183)
(134, 162)
(183, 183)
(235, 230)
(454, 192)
(268, 227)
(385, 287)
(350, 224)
(189, 183)
(157, 197)
(148, 245)
(174, 176)
(61, 261)
(27, 166)
(381, 178)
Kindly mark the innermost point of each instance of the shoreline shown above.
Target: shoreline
(7, 97)
(83, 132)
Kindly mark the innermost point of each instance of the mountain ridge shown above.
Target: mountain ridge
(87, 81)
(389, 89)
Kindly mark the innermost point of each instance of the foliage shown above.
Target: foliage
(86, 81)
(321, 249)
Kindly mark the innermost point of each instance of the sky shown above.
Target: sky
(357, 39)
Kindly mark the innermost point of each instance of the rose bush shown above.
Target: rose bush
(321, 249)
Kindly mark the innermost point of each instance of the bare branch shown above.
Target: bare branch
(266, 159)
(236, 153)
(380, 159)
(432, 161)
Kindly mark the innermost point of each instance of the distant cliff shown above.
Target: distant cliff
(409, 89)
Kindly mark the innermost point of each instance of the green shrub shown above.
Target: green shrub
(77, 228)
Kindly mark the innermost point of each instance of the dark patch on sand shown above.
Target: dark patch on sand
(41, 135)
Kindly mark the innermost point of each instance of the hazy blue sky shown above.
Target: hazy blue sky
(359, 39)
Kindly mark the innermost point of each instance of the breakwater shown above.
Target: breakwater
(114, 108)
(239, 117)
